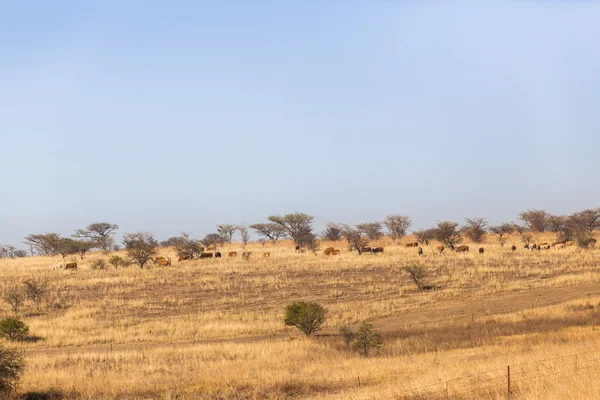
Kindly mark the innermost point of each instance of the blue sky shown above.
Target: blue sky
(176, 116)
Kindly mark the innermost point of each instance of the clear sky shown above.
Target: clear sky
(178, 115)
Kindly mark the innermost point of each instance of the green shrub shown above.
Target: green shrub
(418, 274)
(13, 329)
(12, 364)
(348, 335)
(98, 264)
(366, 340)
(117, 261)
(306, 316)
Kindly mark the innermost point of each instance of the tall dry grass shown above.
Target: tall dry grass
(213, 328)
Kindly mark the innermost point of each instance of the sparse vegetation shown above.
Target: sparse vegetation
(418, 274)
(36, 290)
(367, 340)
(14, 298)
(117, 261)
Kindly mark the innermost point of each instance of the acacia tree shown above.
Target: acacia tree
(501, 230)
(270, 231)
(447, 233)
(475, 229)
(425, 235)
(371, 229)
(227, 231)
(243, 230)
(45, 244)
(535, 220)
(213, 240)
(140, 247)
(297, 225)
(184, 244)
(397, 225)
(100, 234)
(355, 237)
(582, 225)
(332, 232)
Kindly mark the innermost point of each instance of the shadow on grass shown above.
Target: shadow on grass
(51, 394)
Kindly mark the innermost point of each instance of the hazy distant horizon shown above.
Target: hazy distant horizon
(177, 117)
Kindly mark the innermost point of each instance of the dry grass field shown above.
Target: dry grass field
(213, 329)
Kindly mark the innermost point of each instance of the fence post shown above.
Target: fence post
(508, 380)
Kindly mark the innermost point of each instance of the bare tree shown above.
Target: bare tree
(213, 240)
(243, 230)
(14, 298)
(36, 290)
(227, 231)
(332, 232)
(524, 233)
(140, 247)
(371, 229)
(475, 229)
(184, 244)
(7, 251)
(501, 231)
(397, 225)
(535, 220)
(297, 225)
(447, 233)
(270, 231)
(355, 237)
(100, 234)
(46, 244)
(425, 235)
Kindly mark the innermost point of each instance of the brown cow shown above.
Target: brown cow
(440, 250)
(232, 254)
(366, 249)
(559, 246)
(246, 255)
(335, 253)
(184, 257)
(328, 251)
(544, 246)
(297, 248)
(569, 243)
(481, 250)
(513, 247)
(72, 266)
(165, 262)
(207, 255)
(420, 251)
(461, 249)
(157, 260)
(415, 244)
(218, 254)
(266, 254)
(377, 250)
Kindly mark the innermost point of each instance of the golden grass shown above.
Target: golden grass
(213, 328)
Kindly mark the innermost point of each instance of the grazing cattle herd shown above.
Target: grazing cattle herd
(331, 251)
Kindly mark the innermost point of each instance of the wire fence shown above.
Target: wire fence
(511, 377)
